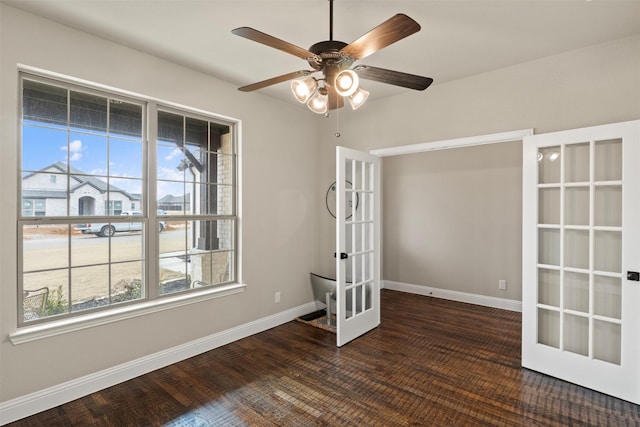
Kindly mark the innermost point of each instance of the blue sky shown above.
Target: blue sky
(96, 154)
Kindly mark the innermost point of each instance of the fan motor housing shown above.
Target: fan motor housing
(330, 51)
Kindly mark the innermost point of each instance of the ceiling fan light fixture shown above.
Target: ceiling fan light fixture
(358, 98)
(346, 82)
(318, 103)
(303, 89)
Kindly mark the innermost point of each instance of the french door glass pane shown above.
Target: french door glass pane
(577, 163)
(576, 291)
(576, 334)
(576, 206)
(549, 327)
(607, 339)
(549, 165)
(608, 251)
(576, 248)
(608, 160)
(549, 287)
(608, 206)
(549, 246)
(549, 206)
(607, 296)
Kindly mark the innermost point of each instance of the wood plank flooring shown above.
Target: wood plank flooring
(430, 363)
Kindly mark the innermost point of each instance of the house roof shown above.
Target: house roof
(82, 178)
(43, 194)
(169, 198)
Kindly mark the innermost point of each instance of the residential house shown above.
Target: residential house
(45, 193)
(170, 202)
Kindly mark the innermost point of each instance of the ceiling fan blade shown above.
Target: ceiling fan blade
(274, 80)
(390, 31)
(266, 39)
(391, 77)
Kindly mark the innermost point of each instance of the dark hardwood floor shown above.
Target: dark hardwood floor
(430, 363)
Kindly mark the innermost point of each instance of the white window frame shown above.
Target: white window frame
(152, 302)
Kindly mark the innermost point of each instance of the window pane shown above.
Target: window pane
(211, 268)
(43, 147)
(44, 103)
(125, 193)
(44, 247)
(197, 132)
(220, 136)
(170, 128)
(88, 153)
(125, 119)
(56, 283)
(86, 249)
(125, 158)
(195, 254)
(51, 196)
(223, 168)
(171, 197)
(88, 112)
(126, 281)
(128, 246)
(89, 287)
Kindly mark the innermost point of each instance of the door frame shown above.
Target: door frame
(448, 144)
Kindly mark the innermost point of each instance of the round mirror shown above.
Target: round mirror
(330, 200)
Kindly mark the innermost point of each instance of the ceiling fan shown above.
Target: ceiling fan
(333, 60)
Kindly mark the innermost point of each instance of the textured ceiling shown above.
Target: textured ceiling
(458, 38)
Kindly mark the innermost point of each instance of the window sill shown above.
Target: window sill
(59, 327)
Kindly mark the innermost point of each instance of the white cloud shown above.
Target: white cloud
(172, 174)
(175, 153)
(75, 150)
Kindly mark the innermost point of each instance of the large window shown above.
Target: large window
(85, 158)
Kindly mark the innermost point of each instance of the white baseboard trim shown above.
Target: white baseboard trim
(503, 303)
(51, 397)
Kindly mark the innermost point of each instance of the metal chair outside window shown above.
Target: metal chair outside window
(34, 303)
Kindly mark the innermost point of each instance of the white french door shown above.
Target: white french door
(581, 257)
(357, 243)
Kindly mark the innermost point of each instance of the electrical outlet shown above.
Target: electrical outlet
(277, 297)
(502, 285)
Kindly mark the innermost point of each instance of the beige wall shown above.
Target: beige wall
(452, 219)
(278, 204)
(590, 86)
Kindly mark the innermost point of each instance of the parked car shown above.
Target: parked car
(104, 229)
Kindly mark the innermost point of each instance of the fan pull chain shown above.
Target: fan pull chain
(337, 123)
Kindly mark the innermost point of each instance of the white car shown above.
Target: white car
(109, 229)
